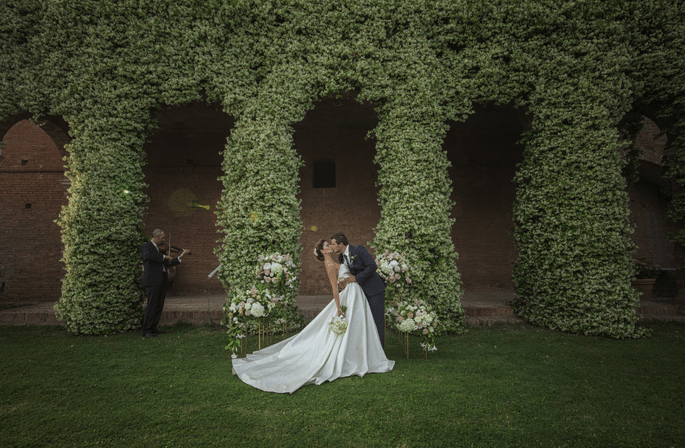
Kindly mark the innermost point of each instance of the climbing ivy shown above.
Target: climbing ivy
(576, 68)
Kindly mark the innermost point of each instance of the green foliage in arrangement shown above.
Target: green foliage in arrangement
(576, 68)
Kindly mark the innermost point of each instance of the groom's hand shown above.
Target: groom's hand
(342, 284)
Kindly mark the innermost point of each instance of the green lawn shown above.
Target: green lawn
(513, 385)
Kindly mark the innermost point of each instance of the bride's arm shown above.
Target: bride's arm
(332, 268)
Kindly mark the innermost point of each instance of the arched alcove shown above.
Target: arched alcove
(33, 189)
(649, 199)
(334, 132)
(183, 166)
(484, 153)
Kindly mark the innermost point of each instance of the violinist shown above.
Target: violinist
(155, 279)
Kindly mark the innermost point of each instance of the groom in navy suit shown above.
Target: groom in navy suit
(155, 278)
(363, 270)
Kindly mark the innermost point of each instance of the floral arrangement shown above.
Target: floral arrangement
(338, 324)
(267, 303)
(394, 268)
(254, 303)
(244, 310)
(277, 270)
(416, 318)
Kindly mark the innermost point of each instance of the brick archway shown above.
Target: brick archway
(334, 131)
(183, 165)
(33, 189)
(484, 154)
(55, 127)
(649, 201)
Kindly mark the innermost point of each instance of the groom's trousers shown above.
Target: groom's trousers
(377, 305)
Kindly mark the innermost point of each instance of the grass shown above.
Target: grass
(507, 385)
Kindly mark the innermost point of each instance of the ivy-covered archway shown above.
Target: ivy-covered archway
(575, 69)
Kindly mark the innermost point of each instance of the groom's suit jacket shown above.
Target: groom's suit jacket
(153, 261)
(363, 267)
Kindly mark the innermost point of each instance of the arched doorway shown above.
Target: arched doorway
(33, 189)
(183, 166)
(338, 180)
(484, 154)
(649, 200)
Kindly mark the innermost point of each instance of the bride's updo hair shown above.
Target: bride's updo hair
(317, 250)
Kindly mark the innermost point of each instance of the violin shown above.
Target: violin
(164, 248)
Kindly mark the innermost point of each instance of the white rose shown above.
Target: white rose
(266, 266)
(248, 306)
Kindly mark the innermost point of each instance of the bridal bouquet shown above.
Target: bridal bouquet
(393, 268)
(338, 324)
(416, 318)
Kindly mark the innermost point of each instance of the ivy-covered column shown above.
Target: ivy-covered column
(571, 215)
(415, 202)
(102, 224)
(259, 212)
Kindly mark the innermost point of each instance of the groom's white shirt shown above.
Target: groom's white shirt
(347, 256)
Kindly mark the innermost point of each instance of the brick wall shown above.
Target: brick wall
(484, 154)
(184, 164)
(653, 147)
(31, 197)
(648, 205)
(350, 208)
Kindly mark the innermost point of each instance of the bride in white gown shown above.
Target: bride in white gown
(317, 354)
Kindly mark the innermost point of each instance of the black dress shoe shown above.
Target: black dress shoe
(156, 331)
(150, 335)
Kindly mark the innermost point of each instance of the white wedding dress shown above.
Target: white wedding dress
(316, 354)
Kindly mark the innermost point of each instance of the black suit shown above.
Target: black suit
(154, 278)
(363, 267)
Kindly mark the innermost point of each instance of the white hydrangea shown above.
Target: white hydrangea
(257, 309)
(407, 325)
(276, 269)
